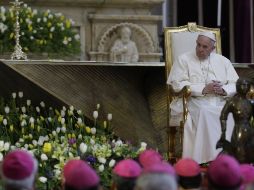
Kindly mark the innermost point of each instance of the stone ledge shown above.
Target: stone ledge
(86, 3)
(148, 18)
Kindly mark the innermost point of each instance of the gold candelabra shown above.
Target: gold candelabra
(18, 53)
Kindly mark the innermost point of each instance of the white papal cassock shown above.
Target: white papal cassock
(202, 129)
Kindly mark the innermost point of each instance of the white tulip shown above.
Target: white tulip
(20, 94)
(17, 144)
(109, 116)
(21, 140)
(26, 146)
(43, 179)
(92, 142)
(102, 160)
(77, 37)
(143, 145)
(79, 136)
(83, 148)
(63, 129)
(101, 168)
(5, 122)
(6, 146)
(46, 138)
(49, 119)
(119, 143)
(79, 121)
(44, 157)
(42, 104)
(7, 110)
(38, 109)
(62, 113)
(98, 106)
(95, 114)
(14, 95)
(58, 129)
(41, 140)
(1, 144)
(62, 120)
(57, 172)
(1, 157)
(64, 108)
(79, 112)
(54, 133)
(112, 163)
(13, 147)
(35, 143)
(28, 102)
(23, 123)
(23, 109)
(31, 120)
(93, 130)
(72, 108)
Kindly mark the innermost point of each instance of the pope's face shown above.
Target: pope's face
(204, 47)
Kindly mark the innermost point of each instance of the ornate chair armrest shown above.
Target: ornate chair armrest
(184, 93)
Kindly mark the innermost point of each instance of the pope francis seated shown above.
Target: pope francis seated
(211, 78)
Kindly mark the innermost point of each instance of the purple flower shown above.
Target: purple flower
(72, 141)
(90, 159)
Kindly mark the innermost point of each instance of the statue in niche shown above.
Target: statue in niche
(124, 49)
(242, 140)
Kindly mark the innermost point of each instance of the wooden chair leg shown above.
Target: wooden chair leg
(171, 144)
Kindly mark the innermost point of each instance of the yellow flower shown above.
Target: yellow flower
(30, 28)
(73, 135)
(42, 118)
(38, 128)
(11, 127)
(49, 24)
(32, 126)
(88, 129)
(69, 136)
(68, 23)
(105, 124)
(1, 118)
(57, 113)
(31, 146)
(59, 119)
(11, 35)
(47, 148)
(62, 18)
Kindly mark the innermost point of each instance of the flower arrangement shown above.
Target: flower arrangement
(41, 31)
(55, 136)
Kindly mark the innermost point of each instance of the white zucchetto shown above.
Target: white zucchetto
(209, 35)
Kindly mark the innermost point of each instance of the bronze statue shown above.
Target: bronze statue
(241, 108)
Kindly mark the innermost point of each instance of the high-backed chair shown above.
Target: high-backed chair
(179, 40)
